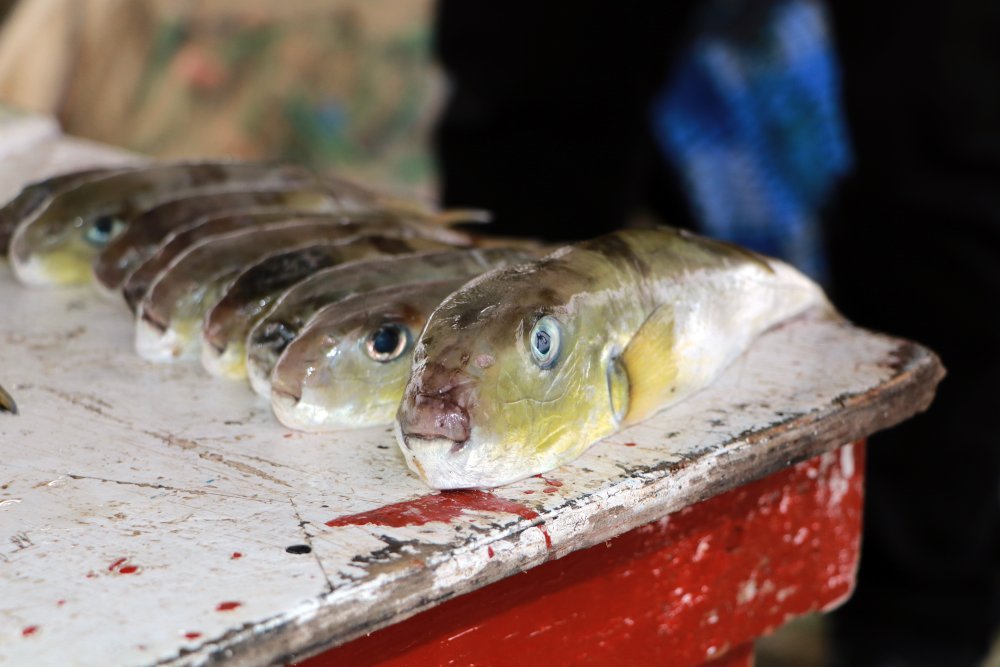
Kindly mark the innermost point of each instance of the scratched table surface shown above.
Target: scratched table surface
(153, 515)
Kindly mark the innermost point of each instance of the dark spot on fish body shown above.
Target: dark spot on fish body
(616, 249)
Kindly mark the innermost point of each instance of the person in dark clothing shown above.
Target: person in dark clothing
(914, 248)
(547, 125)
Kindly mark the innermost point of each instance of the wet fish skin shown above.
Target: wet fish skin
(148, 229)
(58, 245)
(225, 326)
(7, 403)
(34, 196)
(522, 369)
(137, 282)
(279, 325)
(326, 379)
(169, 317)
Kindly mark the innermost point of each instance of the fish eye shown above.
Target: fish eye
(103, 229)
(544, 340)
(387, 342)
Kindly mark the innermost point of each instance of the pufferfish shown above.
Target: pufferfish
(524, 368)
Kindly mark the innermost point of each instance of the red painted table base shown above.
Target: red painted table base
(695, 588)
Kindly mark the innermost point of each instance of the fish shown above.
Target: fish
(34, 196)
(7, 403)
(137, 282)
(58, 244)
(226, 324)
(280, 324)
(147, 230)
(168, 319)
(524, 368)
(348, 367)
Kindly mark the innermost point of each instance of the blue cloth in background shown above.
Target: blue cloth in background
(751, 119)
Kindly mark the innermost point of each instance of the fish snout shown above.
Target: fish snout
(437, 417)
(439, 408)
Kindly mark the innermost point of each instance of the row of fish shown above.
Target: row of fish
(347, 308)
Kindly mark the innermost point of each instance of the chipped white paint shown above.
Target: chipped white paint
(193, 483)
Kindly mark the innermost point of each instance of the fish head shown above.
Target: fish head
(512, 376)
(59, 246)
(347, 368)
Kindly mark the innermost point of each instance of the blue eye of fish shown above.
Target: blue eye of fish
(388, 342)
(545, 338)
(103, 229)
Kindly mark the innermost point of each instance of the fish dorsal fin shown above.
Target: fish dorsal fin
(651, 362)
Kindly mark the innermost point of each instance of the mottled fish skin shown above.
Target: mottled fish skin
(168, 319)
(7, 403)
(272, 331)
(148, 229)
(226, 324)
(59, 244)
(33, 197)
(327, 380)
(522, 369)
(137, 282)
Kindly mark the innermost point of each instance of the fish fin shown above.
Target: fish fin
(7, 403)
(650, 360)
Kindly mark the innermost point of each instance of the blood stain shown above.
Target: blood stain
(443, 507)
(30, 630)
(489, 550)
(549, 489)
(114, 566)
(630, 444)
(528, 492)
(192, 635)
(129, 569)
(60, 602)
(236, 555)
(228, 606)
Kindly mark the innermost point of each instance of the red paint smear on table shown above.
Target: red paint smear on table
(30, 630)
(441, 507)
(236, 555)
(228, 606)
(192, 635)
(670, 592)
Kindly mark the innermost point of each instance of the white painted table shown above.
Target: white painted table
(146, 512)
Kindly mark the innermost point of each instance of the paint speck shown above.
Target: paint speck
(128, 569)
(192, 635)
(60, 602)
(630, 444)
(114, 566)
(287, 435)
(528, 492)
(30, 630)
(549, 489)
(299, 549)
(228, 606)
(489, 550)
(236, 555)
(91, 574)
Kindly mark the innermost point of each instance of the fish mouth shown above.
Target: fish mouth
(444, 464)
